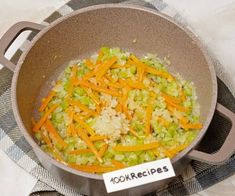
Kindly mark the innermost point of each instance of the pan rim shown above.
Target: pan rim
(188, 32)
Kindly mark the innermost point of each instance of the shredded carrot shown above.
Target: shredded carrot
(164, 122)
(51, 129)
(138, 147)
(177, 149)
(135, 84)
(71, 127)
(99, 89)
(159, 73)
(105, 67)
(149, 111)
(134, 132)
(103, 149)
(46, 101)
(110, 78)
(116, 66)
(191, 126)
(183, 120)
(118, 164)
(92, 96)
(167, 153)
(39, 124)
(140, 67)
(171, 98)
(89, 144)
(89, 64)
(126, 112)
(93, 168)
(156, 152)
(80, 151)
(118, 108)
(46, 139)
(176, 106)
(97, 137)
(100, 55)
(72, 79)
(114, 85)
(123, 101)
(85, 116)
(182, 95)
(84, 125)
(83, 107)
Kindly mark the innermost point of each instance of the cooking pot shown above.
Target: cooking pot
(81, 34)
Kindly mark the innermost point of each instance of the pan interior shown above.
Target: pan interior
(83, 34)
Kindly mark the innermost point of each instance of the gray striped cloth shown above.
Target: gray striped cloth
(196, 177)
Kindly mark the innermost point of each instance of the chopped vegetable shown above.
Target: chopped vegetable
(114, 110)
(136, 148)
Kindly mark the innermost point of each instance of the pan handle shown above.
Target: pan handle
(9, 37)
(227, 149)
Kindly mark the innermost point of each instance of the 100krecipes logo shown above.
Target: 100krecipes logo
(137, 175)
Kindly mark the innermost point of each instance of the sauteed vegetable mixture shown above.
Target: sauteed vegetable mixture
(115, 110)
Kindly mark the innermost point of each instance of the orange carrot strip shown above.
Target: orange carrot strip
(177, 149)
(118, 107)
(44, 117)
(98, 88)
(134, 132)
(138, 147)
(114, 85)
(183, 120)
(97, 137)
(159, 73)
(163, 121)
(191, 126)
(140, 67)
(105, 67)
(83, 107)
(126, 112)
(171, 98)
(72, 79)
(73, 132)
(103, 149)
(135, 84)
(89, 144)
(84, 125)
(118, 164)
(149, 111)
(89, 64)
(93, 168)
(46, 101)
(80, 151)
(51, 129)
(92, 96)
(176, 106)
(110, 78)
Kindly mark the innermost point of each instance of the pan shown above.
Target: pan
(81, 34)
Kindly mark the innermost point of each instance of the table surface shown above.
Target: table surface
(202, 14)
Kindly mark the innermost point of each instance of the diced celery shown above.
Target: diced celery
(133, 69)
(38, 136)
(86, 100)
(79, 91)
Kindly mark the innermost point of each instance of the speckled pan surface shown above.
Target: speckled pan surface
(84, 32)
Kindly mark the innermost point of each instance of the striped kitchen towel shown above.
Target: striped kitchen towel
(196, 177)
